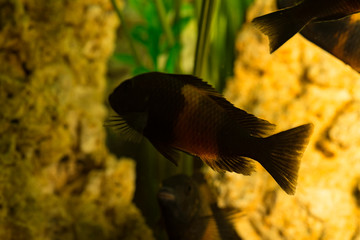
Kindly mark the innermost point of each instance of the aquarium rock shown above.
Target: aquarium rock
(298, 83)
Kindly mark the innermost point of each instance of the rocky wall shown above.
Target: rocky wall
(57, 179)
(297, 84)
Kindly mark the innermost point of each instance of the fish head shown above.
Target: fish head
(130, 100)
(129, 97)
(179, 199)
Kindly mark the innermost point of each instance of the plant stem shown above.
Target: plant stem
(197, 6)
(127, 33)
(203, 39)
(177, 32)
(177, 7)
(164, 23)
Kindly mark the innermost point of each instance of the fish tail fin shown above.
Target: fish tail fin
(282, 155)
(281, 25)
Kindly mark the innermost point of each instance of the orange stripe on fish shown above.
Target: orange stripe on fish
(191, 131)
(338, 49)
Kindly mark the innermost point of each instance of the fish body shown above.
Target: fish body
(189, 211)
(281, 25)
(340, 38)
(181, 112)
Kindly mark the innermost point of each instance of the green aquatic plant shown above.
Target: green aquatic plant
(153, 29)
(156, 34)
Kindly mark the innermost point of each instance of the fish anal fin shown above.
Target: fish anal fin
(167, 151)
(238, 164)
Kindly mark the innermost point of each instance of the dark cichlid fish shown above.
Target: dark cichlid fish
(341, 38)
(181, 112)
(281, 25)
(189, 213)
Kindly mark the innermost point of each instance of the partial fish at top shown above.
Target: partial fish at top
(340, 38)
(281, 25)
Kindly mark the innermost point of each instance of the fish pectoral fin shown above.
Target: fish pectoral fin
(119, 124)
(167, 151)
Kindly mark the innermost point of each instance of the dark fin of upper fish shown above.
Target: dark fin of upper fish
(167, 151)
(281, 25)
(282, 155)
(119, 124)
(255, 126)
(340, 38)
(349, 7)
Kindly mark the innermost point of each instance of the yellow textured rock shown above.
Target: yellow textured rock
(57, 179)
(297, 84)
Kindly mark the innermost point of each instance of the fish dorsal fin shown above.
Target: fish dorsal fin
(198, 83)
(255, 126)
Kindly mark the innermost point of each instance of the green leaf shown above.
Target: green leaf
(150, 16)
(180, 25)
(124, 58)
(137, 5)
(153, 45)
(140, 69)
(187, 9)
(169, 5)
(173, 58)
(140, 33)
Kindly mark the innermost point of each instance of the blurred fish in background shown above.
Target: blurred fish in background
(281, 25)
(190, 212)
(340, 38)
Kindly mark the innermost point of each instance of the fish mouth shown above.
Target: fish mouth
(166, 194)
